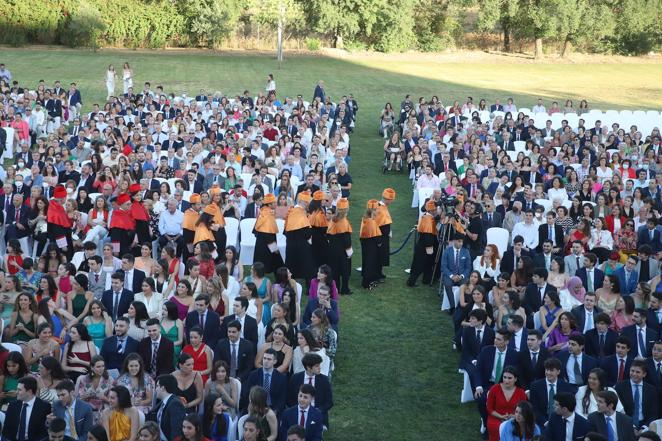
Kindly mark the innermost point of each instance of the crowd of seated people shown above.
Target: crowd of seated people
(122, 299)
(559, 327)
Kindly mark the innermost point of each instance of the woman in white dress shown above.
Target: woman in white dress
(585, 396)
(111, 76)
(271, 84)
(127, 77)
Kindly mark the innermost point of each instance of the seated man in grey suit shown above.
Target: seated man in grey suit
(76, 413)
(96, 277)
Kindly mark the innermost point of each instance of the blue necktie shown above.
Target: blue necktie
(637, 409)
(22, 422)
(611, 436)
(266, 383)
(642, 345)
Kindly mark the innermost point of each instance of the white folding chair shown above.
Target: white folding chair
(247, 244)
(545, 203)
(467, 395)
(246, 177)
(525, 111)
(456, 296)
(231, 231)
(77, 258)
(520, 146)
(512, 154)
(12, 347)
(499, 237)
(281, 240)
(423, 194)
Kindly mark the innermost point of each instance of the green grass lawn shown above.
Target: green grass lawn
(396, 376)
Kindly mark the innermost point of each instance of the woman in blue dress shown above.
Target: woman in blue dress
(522, 427)
(263, 289)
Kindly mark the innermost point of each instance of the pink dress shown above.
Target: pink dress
(314, 285)
(65, 285)
(182, 309)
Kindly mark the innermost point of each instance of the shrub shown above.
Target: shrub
(313, 44)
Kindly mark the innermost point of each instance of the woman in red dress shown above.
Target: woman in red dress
(201, 353)
(502, 399)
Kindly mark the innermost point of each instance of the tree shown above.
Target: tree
(341, 19)
(538, 19)
(583, 22)
(499, 12)
(278, 14)
(86, 26)
(210, 21)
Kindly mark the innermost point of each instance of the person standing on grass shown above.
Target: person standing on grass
(371, 241)
(384, 221)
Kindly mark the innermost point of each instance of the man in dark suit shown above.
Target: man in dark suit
(586, 314)
(157, 351)
(590, 273)
(541, 390)
(271, 380)
(639, 398)
(640, 335)
(491, 219)
(248, 324)
(116, 347)
(518, 333)
(564, 418)
(133, 278)
(206, 319)
(169, 412)
(531, 359)
(649, 235)
(237, 352)
(324, 302)
(117, 299)
(575, 364)
(17, 424)
(309, 185)
(323, 400)
(253, 208)
(619, 424)
(617, 366)
(551, 231)
(601, 341)
(303, 414)
(535, 293)
(511, 255)
(56, 430)
(654, 368)
(546, 255)
(82, 412)
(489, 371)
(16, 219)
(475, 337)
(497, 106)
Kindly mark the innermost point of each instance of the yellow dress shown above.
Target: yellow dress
(120, 426)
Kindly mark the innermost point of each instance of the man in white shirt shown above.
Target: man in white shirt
(170, 412)
(539, 108)
(428, 180)
(565, 424)
(170, 225)
(528, 230)
(575, 259)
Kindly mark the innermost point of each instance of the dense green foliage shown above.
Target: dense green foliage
(607, 26)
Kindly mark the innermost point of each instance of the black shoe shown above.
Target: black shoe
(346, 293)
(451, 311)
(411, 284)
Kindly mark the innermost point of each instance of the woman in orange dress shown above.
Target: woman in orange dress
(121, 420)
(502, 398)
(201, 353)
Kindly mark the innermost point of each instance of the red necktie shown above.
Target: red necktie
(302, 420)
(18, 215)
(621, 370)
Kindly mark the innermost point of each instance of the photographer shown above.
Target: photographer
(474, 229)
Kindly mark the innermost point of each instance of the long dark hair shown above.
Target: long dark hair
(141, 372)
(141, 313)
(529, 426)
(208, 417)
(99, 433)
(16, 357)
(194, 420)
(602, 380)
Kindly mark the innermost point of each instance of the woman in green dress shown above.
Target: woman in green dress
(23, 320)
(98, 323)
(13, 370)
(10, 290)
(79, 299)
(172, 327)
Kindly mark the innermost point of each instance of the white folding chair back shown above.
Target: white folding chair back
(545, 203)
(281, 240)
(77, 259)
(246, 177)
(520, 146)
(247, 241)
(467, 395)
(12, 347)
(499, 237)
(232, 231)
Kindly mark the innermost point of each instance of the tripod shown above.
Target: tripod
(444, 234)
